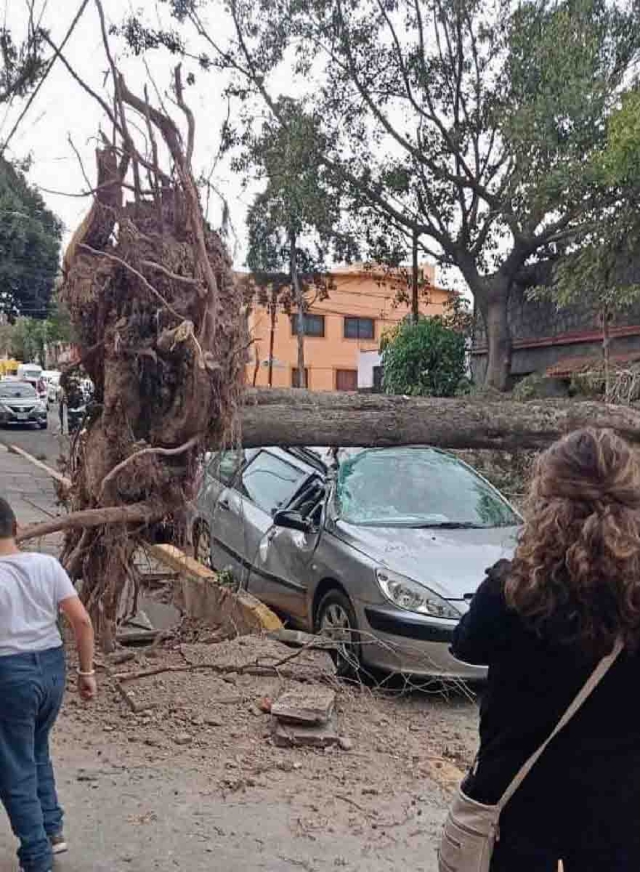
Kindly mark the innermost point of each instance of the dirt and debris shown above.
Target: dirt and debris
(369, 742)
(305, 705)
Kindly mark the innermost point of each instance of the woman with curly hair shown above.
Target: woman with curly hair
(541, 623)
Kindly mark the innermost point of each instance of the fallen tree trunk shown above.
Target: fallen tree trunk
(296, 417)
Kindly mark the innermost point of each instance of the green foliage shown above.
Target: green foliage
(28, 338)
(531, 387)
(602, 268)
(298, 203)
(21, 63)
(29, 246)
(423, 359)
(478, 125)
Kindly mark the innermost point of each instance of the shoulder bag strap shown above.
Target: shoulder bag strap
(590, 685)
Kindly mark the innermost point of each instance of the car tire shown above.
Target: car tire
(336, 619)
(44, 426)
(202, 543)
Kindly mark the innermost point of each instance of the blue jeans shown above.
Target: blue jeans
(31, 691)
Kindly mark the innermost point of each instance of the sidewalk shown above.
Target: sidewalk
(30, 490)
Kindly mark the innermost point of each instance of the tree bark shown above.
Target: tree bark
(498, 332)
(280, 417)
(273, 314)
(301, 381)
(415, 303)
(606, 352)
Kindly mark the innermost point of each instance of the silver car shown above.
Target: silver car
(20, 404)
(382, 549)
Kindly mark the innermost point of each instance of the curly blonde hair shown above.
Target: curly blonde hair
(576, 572)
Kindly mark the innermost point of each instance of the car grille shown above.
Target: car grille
(21, 410)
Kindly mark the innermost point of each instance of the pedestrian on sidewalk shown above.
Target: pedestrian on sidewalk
(542, 623)
(34, 588)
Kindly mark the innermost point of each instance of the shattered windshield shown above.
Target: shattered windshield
(417, 487)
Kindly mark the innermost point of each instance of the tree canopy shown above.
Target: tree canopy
(30, 236)
(472, 124)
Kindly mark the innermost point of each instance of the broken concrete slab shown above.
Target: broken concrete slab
(304, 735)
(249, 652)
(198, 594)
(308, 704)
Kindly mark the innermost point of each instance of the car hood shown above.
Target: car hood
(451, 562)
(19, 402)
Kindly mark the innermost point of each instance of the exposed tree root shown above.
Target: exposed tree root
(157, 316)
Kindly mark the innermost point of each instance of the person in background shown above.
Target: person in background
(542, 623)
(34, 588)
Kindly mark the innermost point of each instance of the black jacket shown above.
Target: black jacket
(591, 771)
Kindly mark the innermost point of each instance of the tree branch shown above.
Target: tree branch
(164, 452)
(145, 512)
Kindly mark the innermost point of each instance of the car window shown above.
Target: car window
(225, 465)
(417, 487)
(17, 390)
(270, 482)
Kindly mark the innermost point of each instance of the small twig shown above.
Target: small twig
(352, 802)
(135, 272)
(135, 707)
(165, 452)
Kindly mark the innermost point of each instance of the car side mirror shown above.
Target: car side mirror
(292, 521)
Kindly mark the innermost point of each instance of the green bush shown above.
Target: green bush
(426, 358)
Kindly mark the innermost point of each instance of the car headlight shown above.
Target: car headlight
(408, 594)
(40, 407)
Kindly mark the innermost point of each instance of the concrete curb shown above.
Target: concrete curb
(57, 476)
(199, 595)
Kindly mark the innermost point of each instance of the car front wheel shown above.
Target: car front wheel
(336, 619)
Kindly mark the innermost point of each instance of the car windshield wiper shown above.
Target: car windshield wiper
(452, 525)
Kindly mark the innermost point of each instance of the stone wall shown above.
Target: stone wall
(531, 320)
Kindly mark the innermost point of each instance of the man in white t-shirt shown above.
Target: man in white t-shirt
(34, 589)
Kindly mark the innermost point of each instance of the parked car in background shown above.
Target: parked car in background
(382, 549)
(51, 378)
(19, 404)
(32, 373)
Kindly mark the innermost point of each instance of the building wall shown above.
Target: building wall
(367, 362)
(542, 335)
(356, 294)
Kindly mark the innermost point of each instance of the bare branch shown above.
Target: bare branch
(146, 512)
(191, 124)
(164, 452)
(132, 269)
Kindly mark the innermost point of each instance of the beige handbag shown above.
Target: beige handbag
(471, 829)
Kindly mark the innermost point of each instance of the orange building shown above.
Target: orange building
(358, 310)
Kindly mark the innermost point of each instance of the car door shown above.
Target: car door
(245, 510)
(214, 505)
(282, 569)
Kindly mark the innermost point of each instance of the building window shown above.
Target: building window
(359, 328)
(313, 325)
(346, 379)
(294, 377)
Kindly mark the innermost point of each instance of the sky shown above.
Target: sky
(62, 110)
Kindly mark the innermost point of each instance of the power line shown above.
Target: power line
(55, 57)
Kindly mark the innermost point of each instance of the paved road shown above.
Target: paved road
(47, 445)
